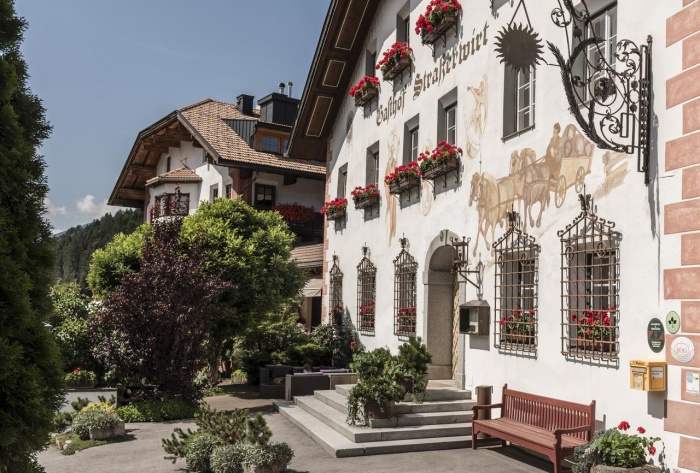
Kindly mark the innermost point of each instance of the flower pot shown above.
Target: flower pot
(406, 382)
(101, 434)
(373, 411)
(404, 184)
(82, 385)
(365, 96)
(367, 201)
(397, 68)
(335, 214)
(616, 469)
(445, 23)
(441, 169)
(607, 345)
(278, 467)
(520, 339)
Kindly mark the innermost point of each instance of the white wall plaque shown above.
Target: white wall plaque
(682, 349)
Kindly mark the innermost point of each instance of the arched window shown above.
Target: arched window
(517, 262)
(590, 286)
(366, 293)
(336, 312)
(405, 270)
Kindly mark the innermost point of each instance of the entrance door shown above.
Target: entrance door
(440, 293)
(315, 312)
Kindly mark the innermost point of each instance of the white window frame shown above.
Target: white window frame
(451, 111)
(414, 143)
(267, 144)
(523, 109)
(607, 17)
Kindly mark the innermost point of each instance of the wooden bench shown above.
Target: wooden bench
(549, 426)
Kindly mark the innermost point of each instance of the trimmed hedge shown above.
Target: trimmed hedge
(156, 411)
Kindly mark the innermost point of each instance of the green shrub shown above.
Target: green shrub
(80, 375)
(156, 411)
(213, 391)
(62, 420)
(255, 455)
(102, 406)
(93, 418)
(227, 459)
(80, 403)
(199, 450)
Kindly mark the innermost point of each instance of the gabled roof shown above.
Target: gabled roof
(338, 50)
(203, 123)
(176, 175)
(308, 255)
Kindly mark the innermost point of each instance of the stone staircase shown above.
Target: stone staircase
(442, 421)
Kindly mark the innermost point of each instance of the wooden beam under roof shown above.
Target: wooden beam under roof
(144, 171)
(132, 194)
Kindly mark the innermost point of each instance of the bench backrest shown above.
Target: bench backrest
(548, 413)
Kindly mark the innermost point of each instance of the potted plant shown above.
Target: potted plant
(396, 59)
(519, 327)
(365, 196)
(439, 16)
(406, 320)
(595, 330)
(374, 398)
(412, 366)
(365, 90)
(404, 177)
(615, 451)
(81, 378)
(443, 159)
(335, 209)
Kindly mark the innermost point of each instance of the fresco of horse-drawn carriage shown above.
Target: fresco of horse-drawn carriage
(532, 181)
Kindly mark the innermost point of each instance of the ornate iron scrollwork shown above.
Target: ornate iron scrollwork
(610, 102)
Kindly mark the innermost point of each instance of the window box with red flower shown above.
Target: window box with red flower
(440, 15)
(595, 330)
(81, 378)
(404, 178)
(335, 209)
(396, 59)
(406, 321)
(365, 196)
(366, 89)
(519, 328)
(366, 319)
(295, 213)
(440, 161)
(335, 315)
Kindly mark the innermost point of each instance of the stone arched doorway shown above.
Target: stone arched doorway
(438, 331)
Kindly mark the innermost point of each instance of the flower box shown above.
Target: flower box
(441, 169)
(373, 410)
(80, 385)
(519, 339)
(336, 214)
(367, 201)
(617, 469)
(447, 22)
(403, 185)
(397, 69)
(101, 434)
(365, 96)
(278, 467)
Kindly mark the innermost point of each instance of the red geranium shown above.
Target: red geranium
(361, 193)
(594, 324)
(434, 12)
(403, 172)
(295, 212)
(440, 154)
(365, 83)
(334, 205)
(394, 54)
(624, 425)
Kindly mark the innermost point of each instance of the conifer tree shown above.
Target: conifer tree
(31, 382)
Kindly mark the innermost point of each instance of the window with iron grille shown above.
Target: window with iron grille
(336, 312)
(171, 205)
(405, 272)
(590, 286)
(366, 293)
(516, 289)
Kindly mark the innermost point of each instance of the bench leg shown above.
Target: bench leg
(473, 439)
(557, 461)
(504, 443)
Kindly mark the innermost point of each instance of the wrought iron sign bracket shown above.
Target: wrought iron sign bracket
(461, 265)
(443, 37)
(610, 102)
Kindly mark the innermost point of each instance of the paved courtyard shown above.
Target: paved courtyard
(143, 452)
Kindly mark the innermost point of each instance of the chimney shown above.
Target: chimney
(281, 87)
(289, 84)
(245, 104)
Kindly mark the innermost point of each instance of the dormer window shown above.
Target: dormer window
(271, 144)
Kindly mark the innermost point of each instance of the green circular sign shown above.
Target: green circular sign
(673, 322)
(655, 335)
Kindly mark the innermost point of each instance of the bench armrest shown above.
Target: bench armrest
(572, 430)
(483, 407)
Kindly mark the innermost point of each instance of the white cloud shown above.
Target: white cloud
(52, 209)
(87, 205)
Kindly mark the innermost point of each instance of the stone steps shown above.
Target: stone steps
(443, 421)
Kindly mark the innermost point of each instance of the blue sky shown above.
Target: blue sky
(107, 69)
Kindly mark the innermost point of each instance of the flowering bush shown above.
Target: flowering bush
(615, 447)
(434, 12)
(365, 83)
(439, 155)
(334, 206)
(404, 171)
(520, 323)
(80, 375)
(367, 313)
(361, 193)
(335, 315)
(295, 212)
(393, 55)
(594, 324)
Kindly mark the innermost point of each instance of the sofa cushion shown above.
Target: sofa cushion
(316, 373)
(335, 370)
(279, 371)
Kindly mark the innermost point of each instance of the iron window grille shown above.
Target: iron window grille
(405, 272)
(590, 286)
(171, 205)
(366, 293)
(516, 282)
(336, 311)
